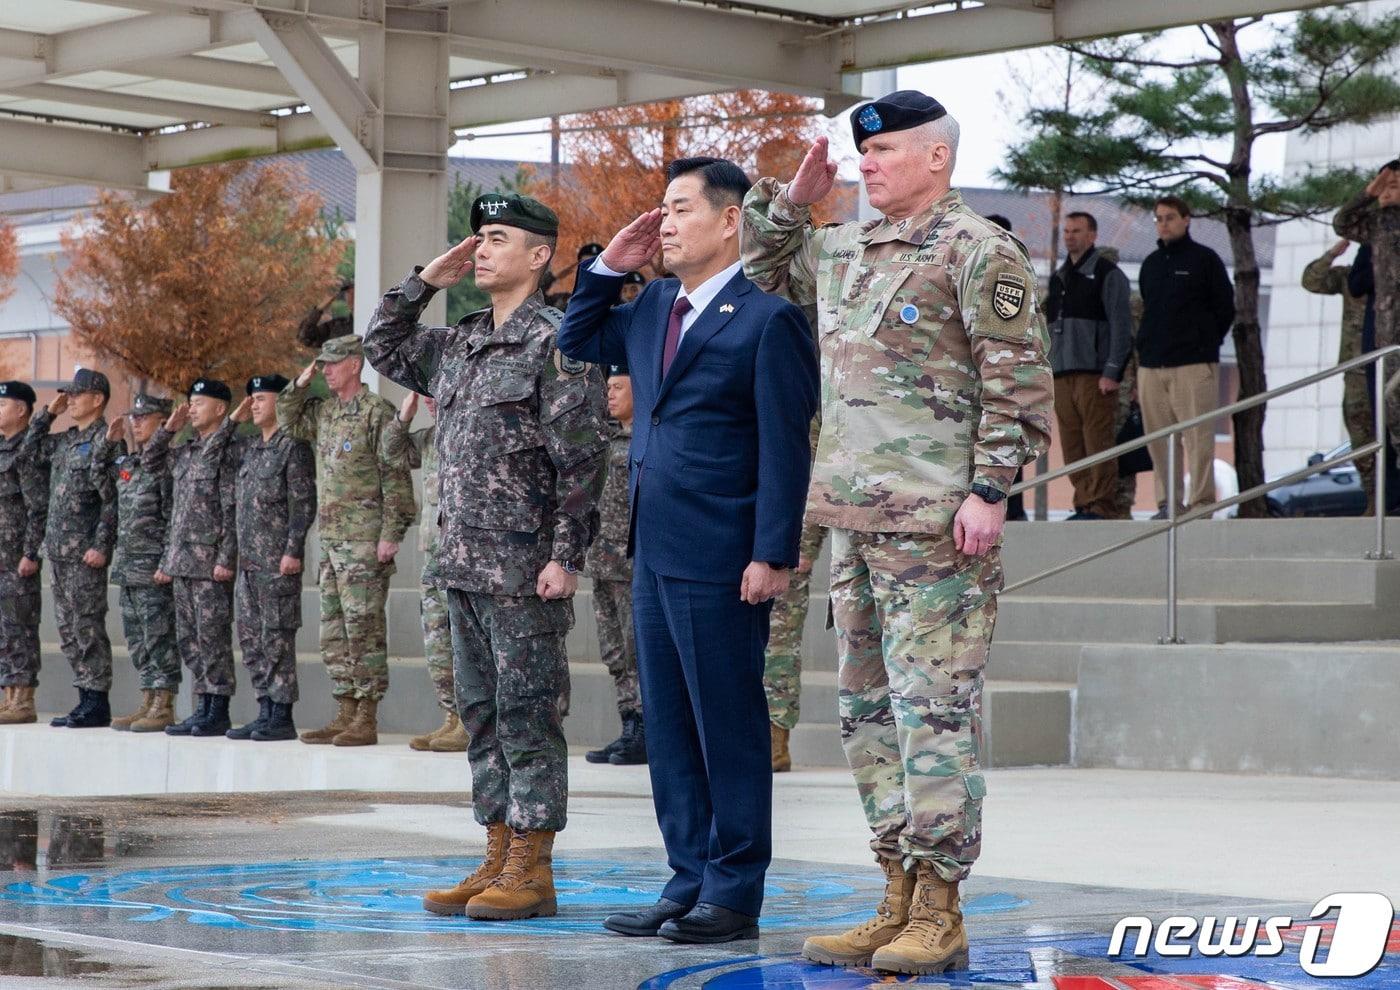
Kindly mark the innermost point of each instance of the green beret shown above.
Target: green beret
(340, 348)
(514, 211)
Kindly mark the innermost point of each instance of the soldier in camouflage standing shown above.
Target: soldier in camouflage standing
(24, 507)
(611, 571)
(420, 449)
(148, 609)
(79, 537)
(521, 443)
(201, 548)
(275, 495)
(366, 505)
(935, 389)
(1326, 278)
(782, 663)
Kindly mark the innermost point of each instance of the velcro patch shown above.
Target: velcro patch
(1009, 295)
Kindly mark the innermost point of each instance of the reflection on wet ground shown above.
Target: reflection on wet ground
(67, 840)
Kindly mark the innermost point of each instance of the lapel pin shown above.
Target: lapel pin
(727, 308)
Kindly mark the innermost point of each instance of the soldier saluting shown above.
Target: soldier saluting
(521, 440)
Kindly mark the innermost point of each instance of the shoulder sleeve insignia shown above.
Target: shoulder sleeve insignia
(568, 367)
(1009, 295)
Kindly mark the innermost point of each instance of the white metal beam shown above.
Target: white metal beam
(548, 95)
(107, 99)
(56, 153)
(220, 72)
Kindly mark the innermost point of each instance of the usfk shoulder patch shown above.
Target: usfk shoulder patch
(1009, 295)
(567, 366)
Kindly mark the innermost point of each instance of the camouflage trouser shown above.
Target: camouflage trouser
(19, 630)
(354, 589)
(1127, 483)
(913, 622)
(782, 664)
(80, 610)
(204, 633)
(511, 670)
(437, 645)
(269, 615)
(617, 641)
(148, 621)
(1361, 426)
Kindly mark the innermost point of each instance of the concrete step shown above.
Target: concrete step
(1279, 708)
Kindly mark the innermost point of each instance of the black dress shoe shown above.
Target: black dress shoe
(646, 921)
(709, 923)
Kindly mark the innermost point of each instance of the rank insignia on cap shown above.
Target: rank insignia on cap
(493, 207)
(870, 119)
(199, 386)
(1008, 295)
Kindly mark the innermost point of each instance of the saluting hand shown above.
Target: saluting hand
(815, 176)
(408, 408)
(178, 418)
(115, 429)
(307, 373)
(636, 244)
(59, 403)
(244, 412)
(448, 269)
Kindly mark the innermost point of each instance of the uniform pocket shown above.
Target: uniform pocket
(519, 517)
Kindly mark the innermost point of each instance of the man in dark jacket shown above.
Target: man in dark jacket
(1091, 339)
(1188, 308)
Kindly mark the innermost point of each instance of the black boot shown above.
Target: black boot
(246, 731)
(94, 713)
(279, 725)
(60, 721)
(216, 721)
(201, 708)
(604, 754)
(633, 750)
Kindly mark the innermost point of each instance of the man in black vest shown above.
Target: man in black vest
(1091, 338)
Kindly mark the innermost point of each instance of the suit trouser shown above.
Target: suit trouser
(1173, 395)
(1085, 417)
(700, 657)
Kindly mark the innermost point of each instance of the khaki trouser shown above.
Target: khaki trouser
(1085, 417)
(1174, 395)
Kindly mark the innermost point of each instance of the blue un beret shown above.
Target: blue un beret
(899, 111)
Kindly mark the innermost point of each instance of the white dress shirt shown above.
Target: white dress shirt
(703, 295)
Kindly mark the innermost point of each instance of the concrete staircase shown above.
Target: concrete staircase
(1293, 643)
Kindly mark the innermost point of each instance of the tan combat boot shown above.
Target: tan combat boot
(423, 742)
(337, 725)
(454, 900)
(934, 940)
(454, 740)
(7, 700)
(782, 760)
(525, 886)
(21, 707)
(856, 946)
(160, 714)
(363, 729)
(123, 724)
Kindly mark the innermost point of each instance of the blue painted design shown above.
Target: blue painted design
(870, 119)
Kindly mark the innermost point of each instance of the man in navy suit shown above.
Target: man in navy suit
(724, 382)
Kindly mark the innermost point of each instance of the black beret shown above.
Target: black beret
(211, 388)
(634, 278)
(19, 391)
(899, 111)
(514, 211)
(266, 383)
(618, 371)
(590, 250)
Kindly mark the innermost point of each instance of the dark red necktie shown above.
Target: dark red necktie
(673, 332)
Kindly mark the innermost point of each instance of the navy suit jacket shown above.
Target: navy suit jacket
(721, 456)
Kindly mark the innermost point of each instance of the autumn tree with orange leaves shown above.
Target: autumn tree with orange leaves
(617, 158)
(9, 259)
(211, 279)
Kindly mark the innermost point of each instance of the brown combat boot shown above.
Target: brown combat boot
(454, 740)
(363, 729)
(454, 900)
(160, 713)
(525, 886)
(782, 759)
(337, 725)
(7, 700)
(123, 724)
(423, 742)
(856, 946)
(934, 940)
(20, 710)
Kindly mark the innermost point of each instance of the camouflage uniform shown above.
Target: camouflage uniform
(1327, 279)
(366, 497)
(934, 378)
(1365, 220)
(611, 571)
(200, 536)
(82, 517)
(782, 664)
(144, 500)
(522, 442)
(276, 502)
(24, 507)
(419, 447)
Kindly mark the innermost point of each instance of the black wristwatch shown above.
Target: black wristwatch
(988, 494)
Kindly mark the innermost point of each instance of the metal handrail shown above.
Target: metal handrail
(1174, 521)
